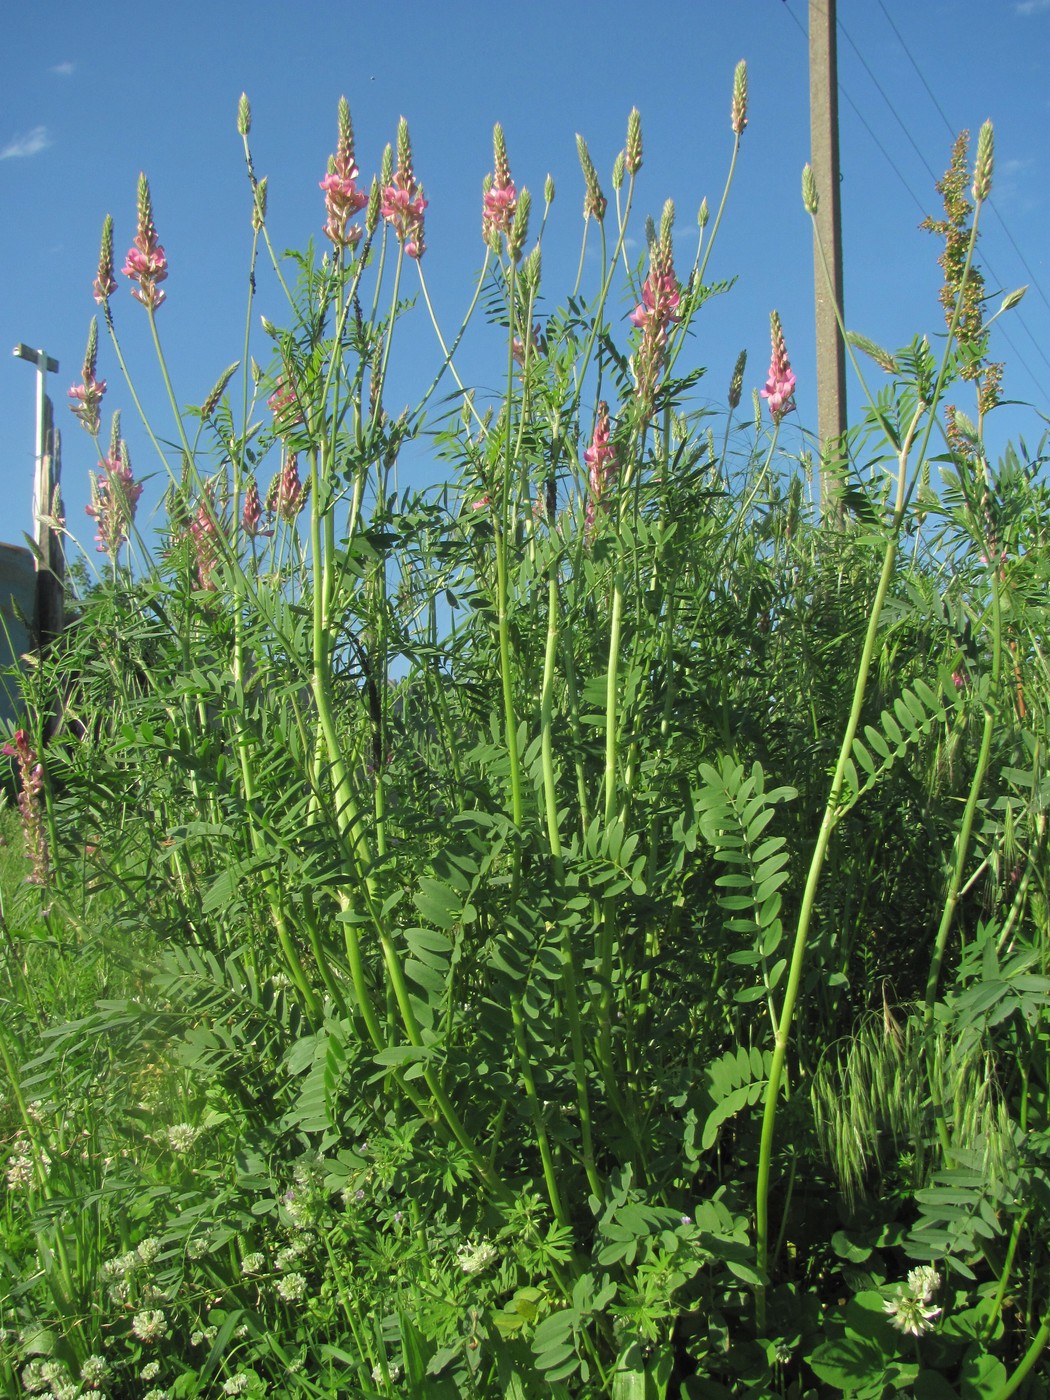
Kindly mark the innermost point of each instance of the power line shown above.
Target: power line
(930, 92)
(1021, 320)
(1020, 357)
(1002, 222)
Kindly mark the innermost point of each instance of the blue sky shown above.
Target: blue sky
(91, 95)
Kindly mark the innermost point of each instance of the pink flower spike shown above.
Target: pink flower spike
(88, 396)
(252, 513)
(105, 282)
(501, 198)
(284, 404)
(780, 387)
(601, 461)
(30, 806)
(657, 310)
(402, 200)
(114, 500)
(146, 261)
(343, 199)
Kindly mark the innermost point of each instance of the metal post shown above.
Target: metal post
(50, 560)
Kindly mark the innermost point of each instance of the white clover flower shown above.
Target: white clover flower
(32, 1380)
(148, 1250)
(924, 1282)
(474, 1258)
(69, 1391)
(149, 1325)
(237, 1384)
(299, 1213)
(150, 1371)
(910, 1314)
(285, 1258)
(253, 1263)
(198, 1247)
(180, 1137)
(291, 1288)
(19, 1170)
(157, 1394)
(121, 1266)
(308, 1171)
(392, 1370)
(94, 1371)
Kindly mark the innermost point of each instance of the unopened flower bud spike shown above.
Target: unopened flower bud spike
(737, 122)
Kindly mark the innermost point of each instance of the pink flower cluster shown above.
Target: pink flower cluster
(657, 310)
(780, 386)
(114, 498)
(403, 203)
(501, 198)
(87, 397)
(342, 198)
(287, 495)
(283, 403)
(146, 262)
(88, 401)
(252, 513)
(204, 532)
(30, 805)
(601, 462)
(291, 494)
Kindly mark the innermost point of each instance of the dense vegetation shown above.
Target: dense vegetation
(581, 930)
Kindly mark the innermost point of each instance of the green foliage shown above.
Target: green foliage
(579, 930)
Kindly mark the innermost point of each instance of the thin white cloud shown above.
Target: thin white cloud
(63, 70)
(1031, 7)
(28, 145)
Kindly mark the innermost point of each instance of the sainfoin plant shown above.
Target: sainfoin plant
(577, 930)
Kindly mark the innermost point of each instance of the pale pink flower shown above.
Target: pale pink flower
(660, 299)
(601, 462)
(88, 396)
(284, 404)
(501, 198)
(780, 387)
(252, 513)
(402, 200)
(343, 199)
(30, 805)
(204, 532)
(114, 498)
(146, 262)
(290, 495)
(658, 309)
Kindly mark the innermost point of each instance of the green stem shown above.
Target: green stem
(827, 826)
(572, 1006)
(503, 592)
(550, 1174)
(962, 847)
(447, 363)
(1027, 1364)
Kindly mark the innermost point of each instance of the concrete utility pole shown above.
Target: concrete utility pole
(50, 559)
(824, 144)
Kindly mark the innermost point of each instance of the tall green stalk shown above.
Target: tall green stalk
(827, 826)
